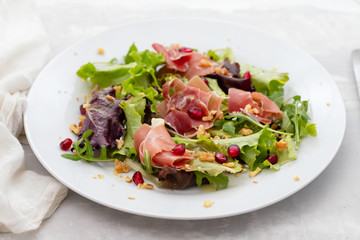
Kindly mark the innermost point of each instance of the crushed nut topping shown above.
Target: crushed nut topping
(86, 105)
(110, 98)
(205, 63)
(281, 145)
(146, 186)
(225, 137)
(245, 131)
(222, 71)
(229, 164)
(255, 182)
(82, 117)
(119, 143)
(207, 157)
(210, 117)
(217, 138)
(75, 129)
(121, 167)
(131, 198)
(254, 173)
(187, 167)
(208, 203)
(201, 131)
(296, 178)
(117, 89)
(128, 180)
(100, 176)
(100, 50)
(251, 110)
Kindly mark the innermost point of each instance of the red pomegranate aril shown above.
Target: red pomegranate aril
(233, 150)
(137, 178)
(82, 110)
(195, 113)
(220, 158)
(185, 50)
(247, 75)
(179, 150)
(273, 159)
(205, 80)
(66, 144)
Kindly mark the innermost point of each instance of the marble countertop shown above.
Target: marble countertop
(327, 208)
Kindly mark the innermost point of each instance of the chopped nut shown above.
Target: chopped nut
(217, 138)
(205, 63)
(236, 174)
(75, 53)
(110, 98)
(251, 110)
(229, 164)
(220, 116)
(131, 198)
(77, 99)
(225, 137)
(82, 117)
(274, 69)
(222, 71)
(100, 50)
(86, 105)
(210, 117)
(328, 104)
(119, 143)
(255, 182)
(120, 176)
(146, 186)
(274, 126)
(296, 179)
(81, 123)
(94, 177)
(128, 180)
(201, 131)
(208, 203)
(254, 173)
(75, 129)
(100, 176)
(207, 157)
(121, 167)
(187, 167)
(117, 89)
(74, 151)
(281, 145)
(245, 131)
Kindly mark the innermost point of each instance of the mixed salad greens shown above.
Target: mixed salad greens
(126, 95)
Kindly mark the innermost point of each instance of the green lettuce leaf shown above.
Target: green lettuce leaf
(219, 55)
(269, 83)
(213, 168)
(218, 181)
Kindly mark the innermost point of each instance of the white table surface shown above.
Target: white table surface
(328, 208)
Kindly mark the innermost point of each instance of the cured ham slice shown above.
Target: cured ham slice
(254, 104)
(158, 142)
(179, 98)
(187, 64)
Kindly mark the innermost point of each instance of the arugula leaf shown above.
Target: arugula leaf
(218, 181)
(296, 120)
(86, 152)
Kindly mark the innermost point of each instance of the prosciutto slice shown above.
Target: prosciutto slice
(195, 94)
(158, 142)
(187, 64)
(261, 107)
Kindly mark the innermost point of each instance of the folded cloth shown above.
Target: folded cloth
(26, 198)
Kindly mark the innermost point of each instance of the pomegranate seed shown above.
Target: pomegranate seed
(178, 150)
(205, 80)
(247, 75)
(82, 110)
(220, 158)
(66, 144)
(185, 50)
(195, 113)
(272, 158)
(137, 178)
(233, 150)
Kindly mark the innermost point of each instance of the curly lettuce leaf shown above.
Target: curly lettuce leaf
(213, 168)
(284, 156)
(219, 55)
(137, 72)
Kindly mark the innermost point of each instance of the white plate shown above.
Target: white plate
(53, 106)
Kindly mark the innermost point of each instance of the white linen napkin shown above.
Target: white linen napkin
(26, 198)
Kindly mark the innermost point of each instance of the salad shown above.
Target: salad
(182, 118)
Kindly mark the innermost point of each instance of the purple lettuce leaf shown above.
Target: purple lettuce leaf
(105, 118)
